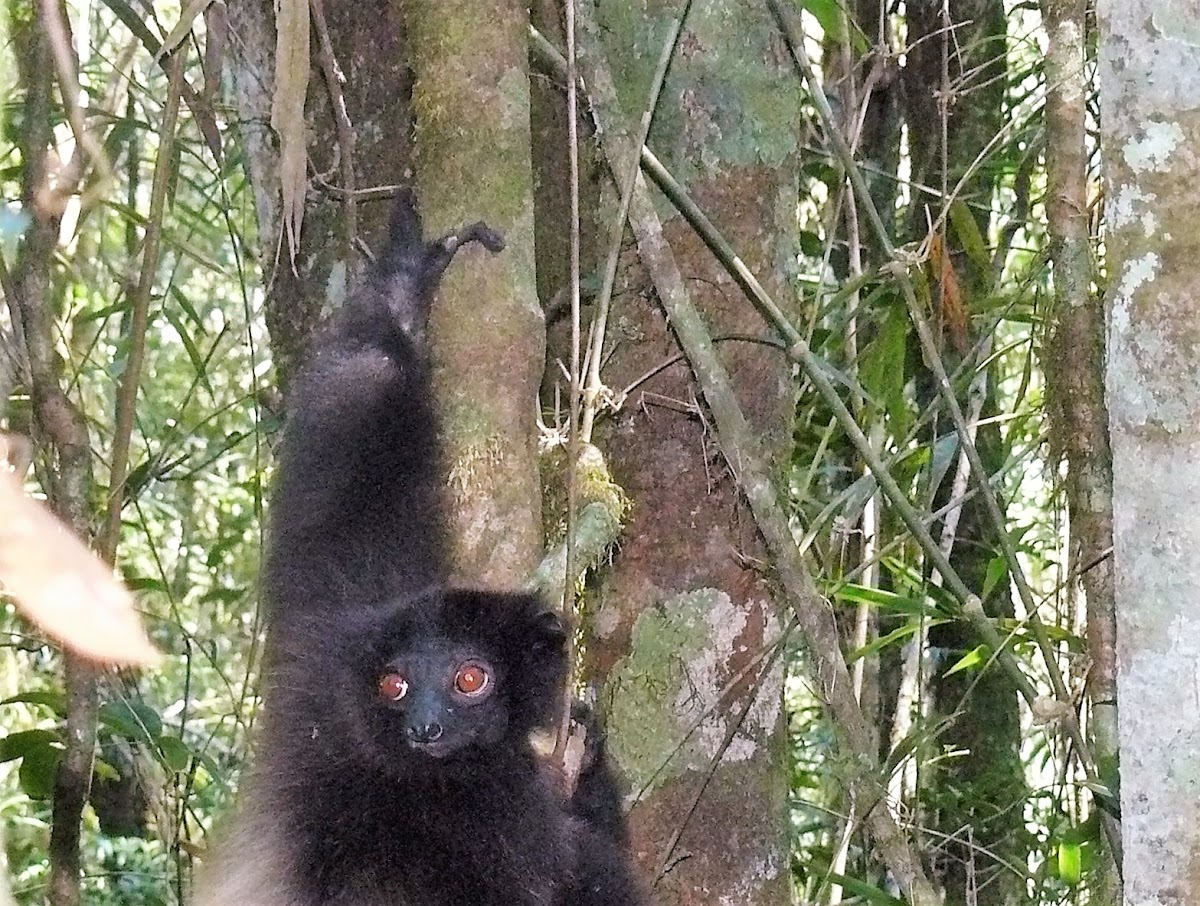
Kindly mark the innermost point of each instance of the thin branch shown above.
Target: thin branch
(334, 80)
(61, 427)
(58, 32)
(563, 754)
(139, 317)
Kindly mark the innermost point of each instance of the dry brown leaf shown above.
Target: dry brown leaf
(63, 587)
(287, 111)
(952, 307)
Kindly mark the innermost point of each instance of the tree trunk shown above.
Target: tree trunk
(472, 120)
(686, 616)
(367, 41)
(1150, 98)
(1074, 367)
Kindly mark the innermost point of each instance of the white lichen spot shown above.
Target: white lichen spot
(758, 873)
(1067, 34)
(1137, 272)
(727, 621)
(1154, 149)
(336, 285)
(606, 621)
(764, 714)
(1128, 203)
(1175, 20)
(700, 691)
(707, 672)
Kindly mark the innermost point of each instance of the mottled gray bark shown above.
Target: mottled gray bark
(1150, 98)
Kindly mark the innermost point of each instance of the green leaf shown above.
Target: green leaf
(972, 660)
(188, 309)
(869, 892)
(969, 237)
(21, 744)
(881, 369)
(828, 14)
(997, 569)
(55, 701)
(189, 344)
(39, 767)
(144, 583)
(885, 600)
(1070, 862)
(891, 638)
(175, 753)
(922, 732)
(105, 771)
(133, 21)
(132, 720)
(99, 314)
(810, 244)
(1084, 832)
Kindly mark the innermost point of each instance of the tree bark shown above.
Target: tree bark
(1150, 128)
(685, 625)
(473, 163)
(1074, 366)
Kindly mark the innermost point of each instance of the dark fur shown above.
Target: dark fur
(348, 803)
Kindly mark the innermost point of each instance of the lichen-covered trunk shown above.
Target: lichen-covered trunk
(685, 628)
(1150, 106)
(473, 162)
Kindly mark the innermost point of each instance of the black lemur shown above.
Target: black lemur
(392, 764)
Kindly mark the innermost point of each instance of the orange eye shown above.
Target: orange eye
(471, 679)
(393, 687)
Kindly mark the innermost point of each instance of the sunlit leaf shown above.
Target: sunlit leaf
(287, 111)
(972, 660)
(1070, 862)
(183, 27)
